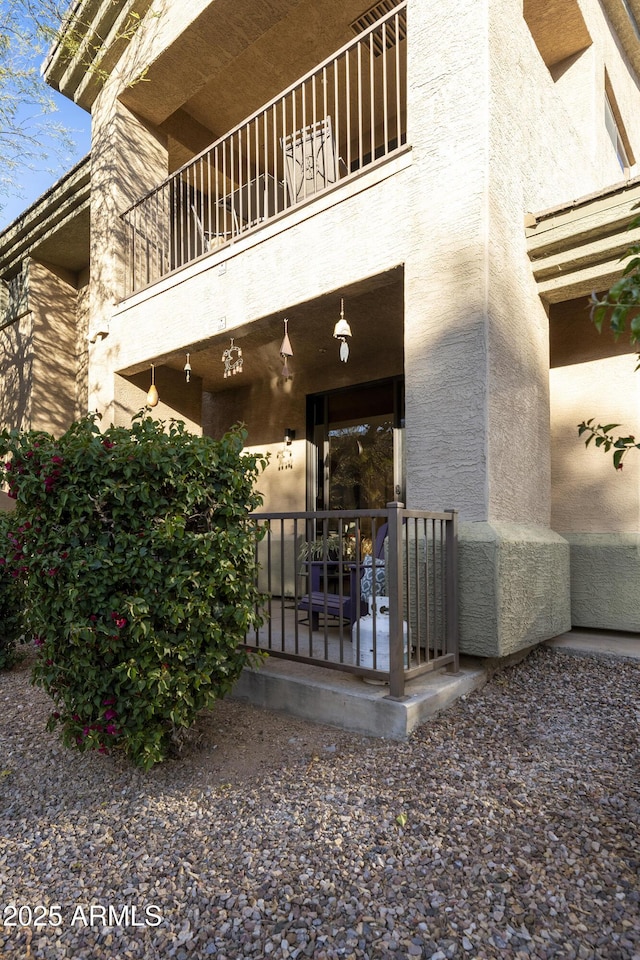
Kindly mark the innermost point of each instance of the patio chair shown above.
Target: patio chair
(309, 160)
(347, 606)
(209, 238)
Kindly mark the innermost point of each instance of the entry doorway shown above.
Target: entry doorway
(357, 447)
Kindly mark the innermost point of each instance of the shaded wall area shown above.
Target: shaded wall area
(592, 375)
(595, 507)
(43, 351)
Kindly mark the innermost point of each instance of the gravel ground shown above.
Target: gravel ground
(505, 828)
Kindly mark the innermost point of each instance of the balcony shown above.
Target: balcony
(339, 120)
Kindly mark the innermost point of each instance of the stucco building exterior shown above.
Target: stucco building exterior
(459, 177)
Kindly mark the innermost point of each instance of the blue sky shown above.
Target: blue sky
(36, 181)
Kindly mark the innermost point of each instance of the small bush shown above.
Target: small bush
(11, 590)
(138, 559)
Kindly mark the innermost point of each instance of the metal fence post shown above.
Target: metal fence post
(452, 588)
(394, 582)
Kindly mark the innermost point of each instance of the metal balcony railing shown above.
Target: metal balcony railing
(367, 592)
(345, 115)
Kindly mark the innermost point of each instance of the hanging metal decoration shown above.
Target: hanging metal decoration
(285, 457)
(152, 395)
(187, 370)
(286, 351)
(232, 359)
(341, 331)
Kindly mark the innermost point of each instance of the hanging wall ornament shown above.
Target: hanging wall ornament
(285, 457)
(286, 351)
(341, 331)
(232, 359)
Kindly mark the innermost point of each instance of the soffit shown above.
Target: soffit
(238, 55)
(556, 45)
(373, 308)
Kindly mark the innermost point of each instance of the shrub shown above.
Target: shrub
(139, 564)
(11, 590)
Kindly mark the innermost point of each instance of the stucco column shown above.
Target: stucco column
(129, 158)
(476, 352)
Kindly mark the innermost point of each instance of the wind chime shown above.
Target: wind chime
(152, 395)
(232, 359)
(286, 351)
(341, 331)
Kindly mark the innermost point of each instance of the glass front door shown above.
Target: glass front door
(358, 449)
(360, 464)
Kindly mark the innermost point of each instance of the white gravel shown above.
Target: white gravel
(505, 828)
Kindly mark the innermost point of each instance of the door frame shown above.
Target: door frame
(318, 420)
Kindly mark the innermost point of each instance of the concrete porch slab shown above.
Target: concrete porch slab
(346, 701)
(597, 643)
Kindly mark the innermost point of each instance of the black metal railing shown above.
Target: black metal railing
(346, 114)
(368, 592)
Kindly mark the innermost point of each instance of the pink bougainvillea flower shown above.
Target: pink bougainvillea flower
(110, 714)
(108, 701)
(112, 730)
(57, 459)
(108, 444)
(38, 641)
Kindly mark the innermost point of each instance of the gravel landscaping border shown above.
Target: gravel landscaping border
(506, 827)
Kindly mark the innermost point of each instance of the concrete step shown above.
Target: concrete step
(348, 702)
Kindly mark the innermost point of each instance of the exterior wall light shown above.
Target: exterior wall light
(187, 370)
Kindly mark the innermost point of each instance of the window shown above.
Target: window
(615, 127)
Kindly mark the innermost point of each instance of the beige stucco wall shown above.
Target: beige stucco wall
(16, 372)
(596, 507)
(53, 303)
(589, 496)
(39, 366)
(492, 136)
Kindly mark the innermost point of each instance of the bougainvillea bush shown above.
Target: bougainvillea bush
(138, 561)
(11, 592)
